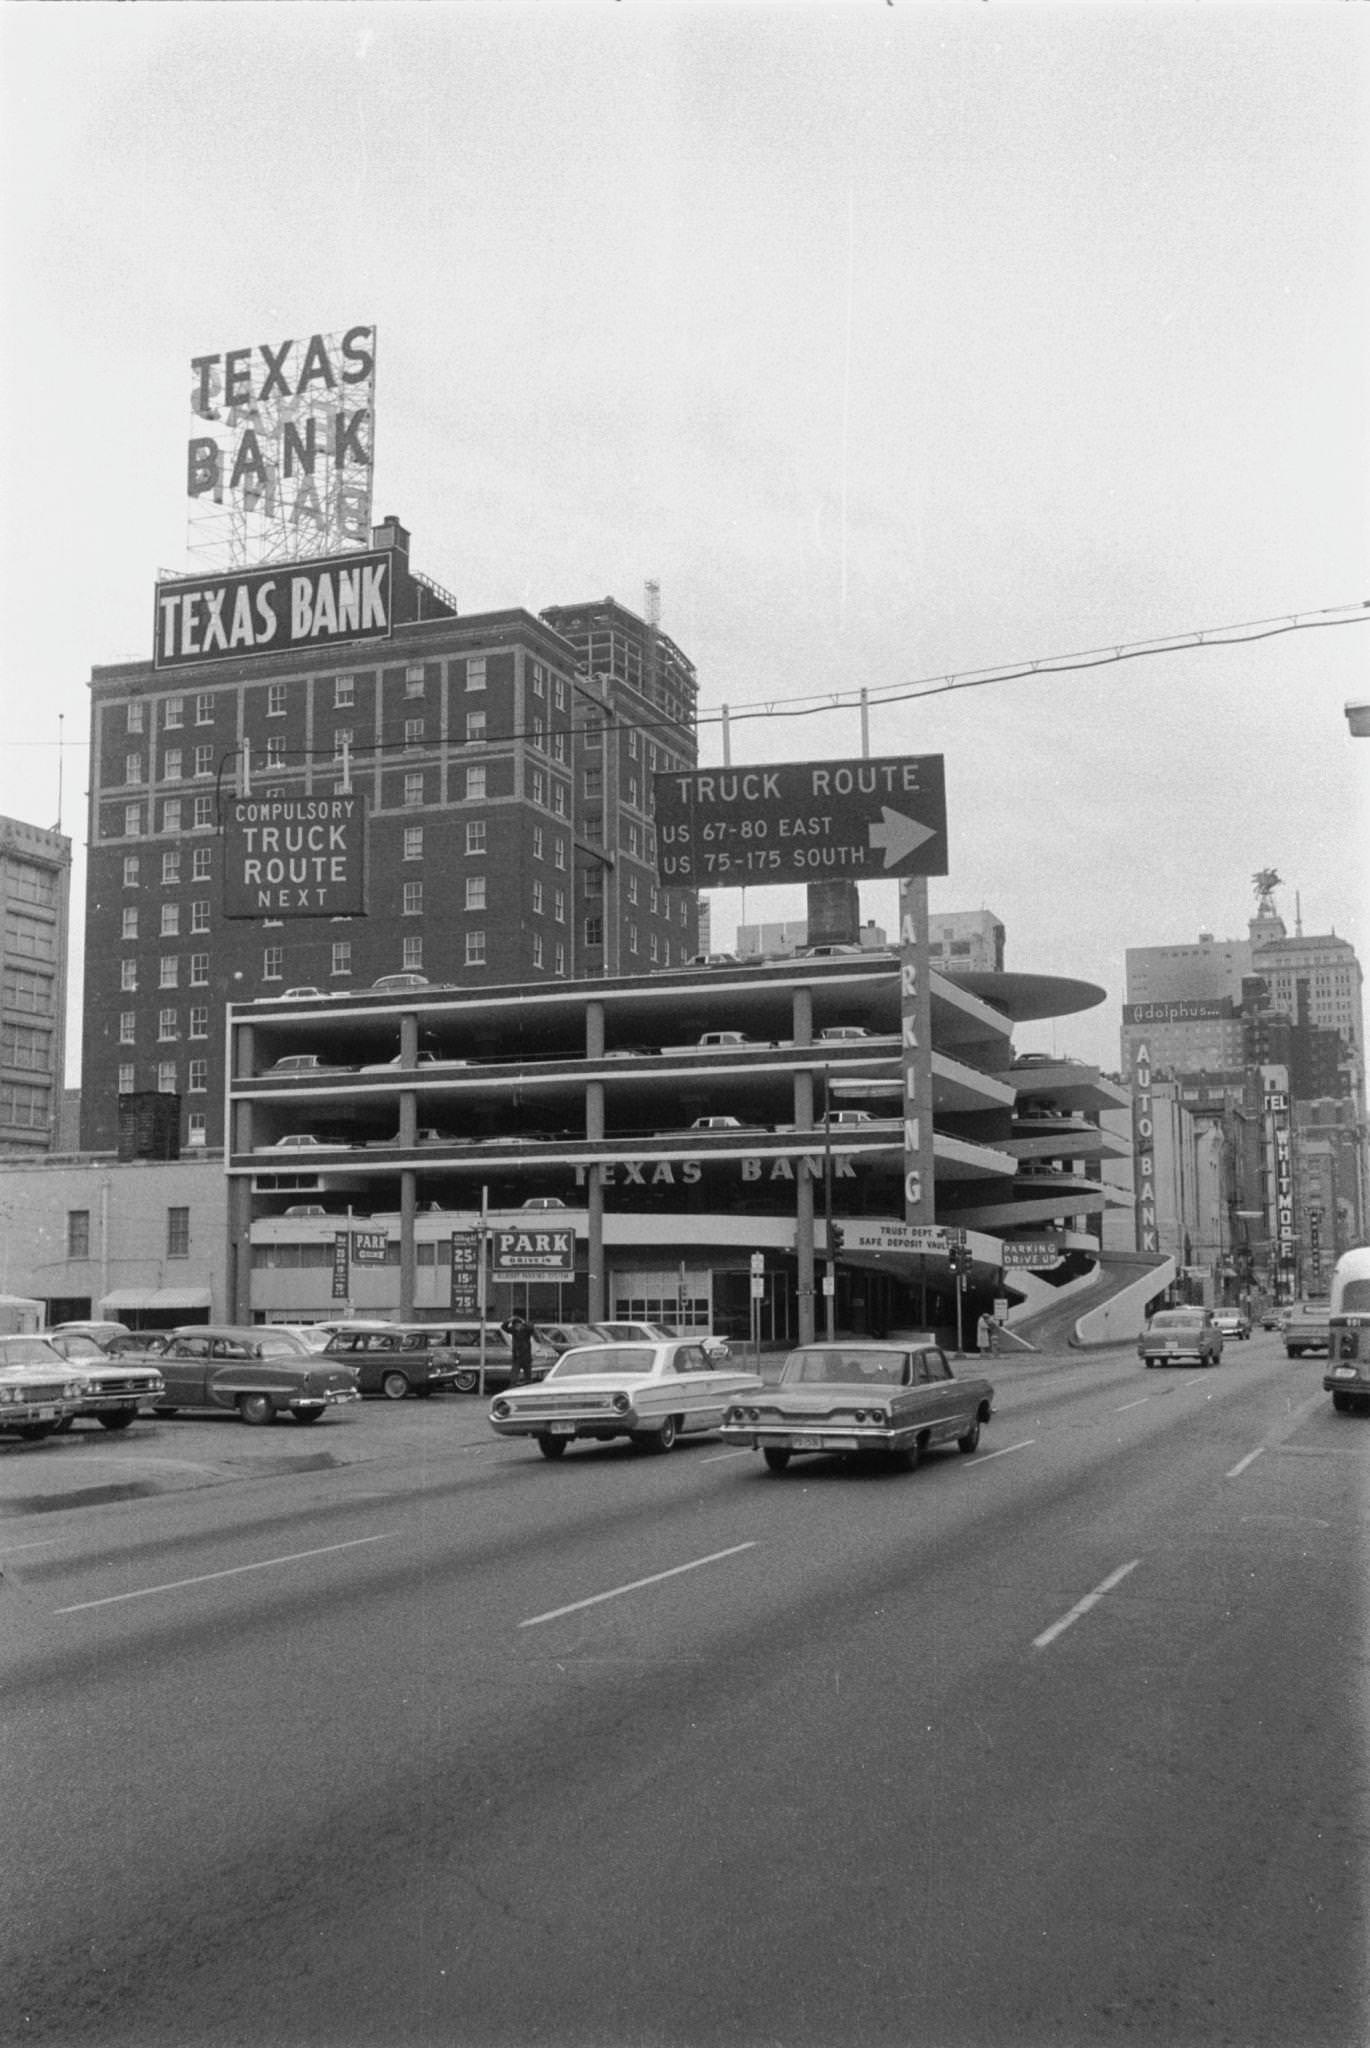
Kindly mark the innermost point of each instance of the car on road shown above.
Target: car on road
(860, 1400)
(1347, 1378)
(1181, 1336)
(259, 1372)
(395, 1360)
(1306, 1326)
(39, 1389)
(1271, 1318)
(117, 1390)
(649, 1393)
(1233, 1322)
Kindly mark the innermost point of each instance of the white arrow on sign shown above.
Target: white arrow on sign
(900, 836)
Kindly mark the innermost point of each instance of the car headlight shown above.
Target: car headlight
(500, 1408)
(11, 1394)
(621, 1404)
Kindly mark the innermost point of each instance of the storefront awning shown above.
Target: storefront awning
(143, 1298)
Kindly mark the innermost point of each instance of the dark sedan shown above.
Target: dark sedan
(257, 1372)
(856, 1399)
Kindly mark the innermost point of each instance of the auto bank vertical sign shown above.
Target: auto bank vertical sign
(1148, 1235)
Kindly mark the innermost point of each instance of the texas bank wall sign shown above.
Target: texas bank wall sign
(200, 619)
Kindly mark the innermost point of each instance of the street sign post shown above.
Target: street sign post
(802, 821)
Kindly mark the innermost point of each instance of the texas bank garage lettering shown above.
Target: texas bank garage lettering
(295, 857)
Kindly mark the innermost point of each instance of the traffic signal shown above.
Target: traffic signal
(835, 1237)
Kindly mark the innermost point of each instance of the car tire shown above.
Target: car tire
(307, 1414)
(1343, 1403)
(34, 1432)
(466, 1381)
(777, 1459)
(257, 1409)
(655, 1441)
(122, 1418)
(553, 1447)
(163, 1413)
(971, 1440)
(394, 1386)
(908, 1460)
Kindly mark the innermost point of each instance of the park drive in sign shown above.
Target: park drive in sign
(295, 857)
(534, 1251)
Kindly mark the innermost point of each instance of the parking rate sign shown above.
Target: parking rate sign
(802, 821)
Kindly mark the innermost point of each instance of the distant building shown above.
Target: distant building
(35, 889)
(966, 941)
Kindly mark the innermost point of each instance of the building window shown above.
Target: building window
(130, 925)
(475, 783)
(133, 767)
(275, 751)
(537, 949)
(413, 787)
(594, 931)
(413, 842)
(171, 870)
(475, 672)
(559, 746)
(632, 889)
(475, 892)
(133, 821)
(204, 708)
(199, 914)
(128, 975)
(344, 692)
(411, 951)
(171, 921)
(559, 960)
(199, 970)
(559, 799)
(168, 970)
(539, 680)
(130, 870)
(78, 1233)
(128, 1026)
(475, 728)
(413, 899)
(199, 1021)
(171, 765)
(342, 741)
(197, 1077)
(559, 854)
(537, 736)
(537, 899)
(200, 864)
(166, 1077)
(204, 760)
(275, 700)
(413, 679)
(537, 843)
(204, 813)
(173, 713)
(166, 1024)
(559, 692)
(475, 949)
(632, 938)
(273, 962)
(413, 732)
(178, 1233)
(342, 957)
(559, 905)
(197, 1131)
(135, 718)
(124, 1083)
(475, 837)
(171, 814)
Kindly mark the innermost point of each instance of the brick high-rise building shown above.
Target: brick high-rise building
(505, 760)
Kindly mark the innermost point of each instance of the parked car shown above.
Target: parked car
(1307, 1327)
(306, 1063)
(462, 1340)
(721, 1041)
(117, 1390)
(561, 1337)
(829, 952)
(1233, 1322)
(544, 1202)
(1271, 1319)
(723, 1123)
(39, 1389)
(1181, 1336)
(261, 1372)
(843, 1034)
(856, 1399)
(104, 1334)
(306, 1209)
(657, 1333)
(305, 1141)
(400, 984)
(394, 1360)
(423, 1059)
(648, 1393)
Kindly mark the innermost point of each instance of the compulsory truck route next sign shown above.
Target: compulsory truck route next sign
(802, 821)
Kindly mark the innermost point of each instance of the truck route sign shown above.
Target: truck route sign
(802, 821)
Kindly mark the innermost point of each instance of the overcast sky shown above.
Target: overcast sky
(895, 343)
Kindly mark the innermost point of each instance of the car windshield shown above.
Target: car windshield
(596, 1359)
(281, 1345)
(844, 1365)
(1176, 1318)
(29, 1351)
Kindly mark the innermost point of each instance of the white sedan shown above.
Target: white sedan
(650, 1393)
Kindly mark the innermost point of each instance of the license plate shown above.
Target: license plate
(1344, 1372)
(561, 1429)
(807, 1443)
(45, 1415)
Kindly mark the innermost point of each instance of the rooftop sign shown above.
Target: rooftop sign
(273, 611)
(802, 821)
(279, 461)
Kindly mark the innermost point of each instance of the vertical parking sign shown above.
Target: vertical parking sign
(465, 1272)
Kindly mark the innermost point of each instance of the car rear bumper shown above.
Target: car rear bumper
(1344, 1379)
(848, 1440)
(333, 1397)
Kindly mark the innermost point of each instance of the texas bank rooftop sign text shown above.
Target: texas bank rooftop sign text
(273, 611)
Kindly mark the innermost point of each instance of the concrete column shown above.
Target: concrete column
(803, 1198)
(407, 1260)
(409, 1039)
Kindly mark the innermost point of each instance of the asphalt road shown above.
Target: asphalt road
(389, 1733)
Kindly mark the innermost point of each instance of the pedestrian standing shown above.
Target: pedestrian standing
(519, 1331)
